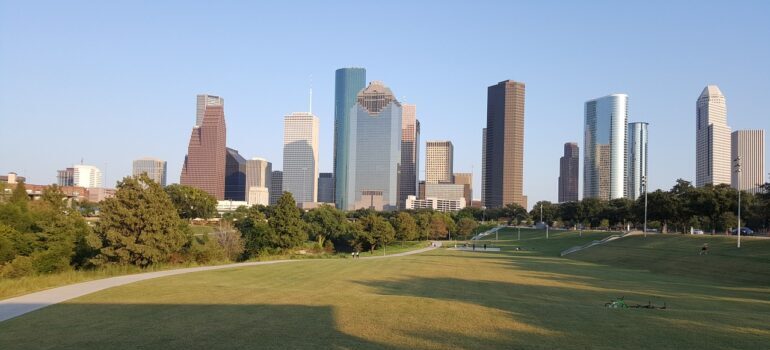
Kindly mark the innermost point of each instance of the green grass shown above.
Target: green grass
(442, 299)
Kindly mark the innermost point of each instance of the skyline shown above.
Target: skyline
(151, 74)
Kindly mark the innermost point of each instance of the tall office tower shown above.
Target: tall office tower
(637, 159)
(204, 101)
(65, 177)
(439, 162)
(300, 156)
(348, 82)
(605, 148)
(204, 164)
(569, 165)
(87, 176)
(410, 153)
(465, 179)
(373, 153)
(483, 165)
(258, 177)
(326, 188)
(154, 168)
(712, 139)
(504, 168)
(276, 186)
(749, 145)
(235, 176)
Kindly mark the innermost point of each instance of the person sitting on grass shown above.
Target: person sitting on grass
(704, 250)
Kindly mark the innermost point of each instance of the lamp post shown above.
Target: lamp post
(738, 172)
(644, 186)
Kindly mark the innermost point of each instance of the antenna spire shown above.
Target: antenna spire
(310, 108)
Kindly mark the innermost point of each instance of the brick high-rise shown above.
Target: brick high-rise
(204, 165)
(568, 173)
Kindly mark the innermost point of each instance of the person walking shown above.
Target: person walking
(485, 246)
(704, 250)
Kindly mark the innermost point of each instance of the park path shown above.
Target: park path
(17, 306)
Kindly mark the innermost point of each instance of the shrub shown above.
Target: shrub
(20, 266)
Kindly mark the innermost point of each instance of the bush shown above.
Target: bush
(20, 266)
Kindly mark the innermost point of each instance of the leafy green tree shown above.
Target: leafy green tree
(550, 212)
(287, 223)
(325, 222)
(465, 227)
(438, 226)
(516, 213)
(379, 231)
(191, 202)
(259, 237)
(19, 196)
(571, 213)
(592, 211)
(423, 219)
(139, 225)
(405, 226)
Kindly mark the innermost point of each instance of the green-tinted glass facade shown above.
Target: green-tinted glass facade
(348, 82)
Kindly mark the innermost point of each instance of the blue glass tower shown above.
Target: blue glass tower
(347, 83)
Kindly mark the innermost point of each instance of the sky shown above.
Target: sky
(112, 81)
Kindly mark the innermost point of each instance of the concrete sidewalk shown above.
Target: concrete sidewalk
(17, 306)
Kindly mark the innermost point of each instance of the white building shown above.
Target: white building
(442, 205)
(258, 179)
(154, 168)
(258, 196)
(749, 145)
(439, 158)
(637, 158)
(605, 148)
(712, 139)
(300, 156)
(228, 206)
(87, 176)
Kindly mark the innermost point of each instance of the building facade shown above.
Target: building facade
(749, 145)
(348, 82)
(235, 176)
(154, 168)
(445, 191)
(712, 139)
(439, 162)
(204, 164)
(258, 178)
(504, 161)
(373, 155)
(466, 180)
(300, 156)
(65, 177)
(605, 148)
(326, 188)
(569, 165)
(87, 176)
(637, 159)
(483, 165)
(203, 102)
(410, 153)
(442, 205)
(276, 186)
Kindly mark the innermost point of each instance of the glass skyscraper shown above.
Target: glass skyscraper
(605, 149)
(154, 168)
(373, 152)
(347, 84)
(637, 158)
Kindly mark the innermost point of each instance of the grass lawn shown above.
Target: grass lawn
(530, 298)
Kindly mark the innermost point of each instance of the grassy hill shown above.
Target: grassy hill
(528, 298)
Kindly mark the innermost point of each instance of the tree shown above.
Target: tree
(423, 219)
(257, 234)
(465, 227)
(287, 223)
(405, 226)
(516, 213)
(438, 226)
(139, 225)
(191, 202)
(325, 222)
(550, 212)
(378, 232)
(571, 213)
(19, 196)
(230, 240)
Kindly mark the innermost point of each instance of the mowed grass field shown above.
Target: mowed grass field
(514, 299)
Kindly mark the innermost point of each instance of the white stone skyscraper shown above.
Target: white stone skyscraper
(637, 158)
(87, 176)
(300, 156)
(605, 148)
(712, 139)
(750, 146)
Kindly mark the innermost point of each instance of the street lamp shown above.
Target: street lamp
(644, 186)
(738, 172)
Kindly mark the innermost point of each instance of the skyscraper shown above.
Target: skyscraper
(276, 186)
(87, 176)
(347, 83)
(637, 158)
(235, 176)
(373, 153)
(504, 168)
(204, 165)
(712, 138)
(749, 145)
(466, 180)
(326, 188)
(483, 165)
(569, 165)
(300, 156)
(605, 149)
(258, 179)
(410, 153)
(65, 177)
(203, 102)
(439, 162)
(154, 168)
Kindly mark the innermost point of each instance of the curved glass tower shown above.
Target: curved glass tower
(347, 83)
(637, 158)
(604, 167)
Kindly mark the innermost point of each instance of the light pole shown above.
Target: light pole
(644, 186)
(738, 172)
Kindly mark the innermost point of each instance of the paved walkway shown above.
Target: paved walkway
(17, 306)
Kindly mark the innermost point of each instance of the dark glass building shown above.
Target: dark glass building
(235, 176)
(347, 83)
(568, 173)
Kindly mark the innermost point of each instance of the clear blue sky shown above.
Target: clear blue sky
(113, 81)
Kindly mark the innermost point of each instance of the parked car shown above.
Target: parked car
(745, 231)
(697, 232)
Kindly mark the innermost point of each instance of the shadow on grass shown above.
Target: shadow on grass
(148, 326)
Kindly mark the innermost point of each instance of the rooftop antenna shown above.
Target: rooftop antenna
(310, 108)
